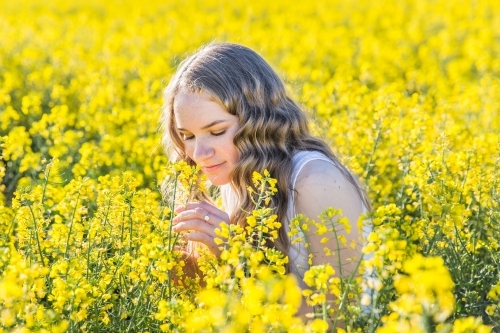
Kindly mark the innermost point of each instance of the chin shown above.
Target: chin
(219, 181)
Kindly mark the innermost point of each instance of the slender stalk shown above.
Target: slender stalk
(375, 144)
(401, 193)
(122, 233)
(46, 178)
(109, 287)
(172, 208)
(71, 226)
(36, 236)
(372, 327)
(88, 253)
(169, 236)
(257, 206)
(12, 226)
(323, 310)
(346, 291)
(341, 273)
(131, 225)
(138, 301)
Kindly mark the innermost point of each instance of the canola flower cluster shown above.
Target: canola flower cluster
(98, 257)
(404, 91)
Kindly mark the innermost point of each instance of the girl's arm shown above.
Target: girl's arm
(321, 185)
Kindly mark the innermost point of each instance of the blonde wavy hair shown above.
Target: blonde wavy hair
(272, 126)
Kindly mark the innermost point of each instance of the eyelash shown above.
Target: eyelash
(186, 138)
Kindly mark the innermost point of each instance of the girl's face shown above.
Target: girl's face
(207, 130)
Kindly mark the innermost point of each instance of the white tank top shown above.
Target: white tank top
(298, 254)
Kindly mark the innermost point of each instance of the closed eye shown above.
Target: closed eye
(219, 133)
(185, 137)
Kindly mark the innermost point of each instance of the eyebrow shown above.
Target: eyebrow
(206, 126)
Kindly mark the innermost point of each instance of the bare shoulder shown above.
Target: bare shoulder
(321, 172)
(320, 185)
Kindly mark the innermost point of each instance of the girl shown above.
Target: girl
(227, 111)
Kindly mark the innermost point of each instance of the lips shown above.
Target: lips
(211, 168)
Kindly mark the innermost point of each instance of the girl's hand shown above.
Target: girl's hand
(190, 268)
(201, 219)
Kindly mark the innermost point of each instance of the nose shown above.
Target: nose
(202, 150)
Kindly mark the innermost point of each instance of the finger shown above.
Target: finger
(191, 205)
(184, 216)
(204, 205)
(195, 225)
(180, 208)
(202, 214)
(192, 214)
(205, 239)
(210, 218)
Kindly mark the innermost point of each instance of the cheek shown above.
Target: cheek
(233, 151)
(232, 148)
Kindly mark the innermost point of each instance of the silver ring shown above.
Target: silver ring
(206, 218)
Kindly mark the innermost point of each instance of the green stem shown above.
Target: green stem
(71, 226)
(345, 293)
(13, 225)
(323, 310)
(47, 174)
(36, 236)
(372, 313)
(171, 243)
(88, 254)
(172, 209)
(375, 144)
(131, 225)
(137, 306)
(257, 206)
(338, 251)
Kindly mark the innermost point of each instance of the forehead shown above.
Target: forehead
(197, 108)
(183, 99)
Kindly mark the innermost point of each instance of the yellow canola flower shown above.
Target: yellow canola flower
(411, 87)
(425, 293)
(470, 324)
(319, 326)
(256, 177)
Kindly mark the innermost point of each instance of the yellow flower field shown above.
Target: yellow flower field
(406, 92)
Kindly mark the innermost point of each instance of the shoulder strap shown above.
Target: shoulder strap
(299, 160)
